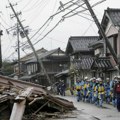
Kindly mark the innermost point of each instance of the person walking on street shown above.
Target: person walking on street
(117, 93)
(78, 87)
(107, 90)
(101, 92)
(63, 87)
(112, 86)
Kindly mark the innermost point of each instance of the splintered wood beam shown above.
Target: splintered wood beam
(41, 107)
(3, 98)
(35, 99)
(19, 105)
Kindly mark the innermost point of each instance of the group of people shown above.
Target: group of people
(97, 90)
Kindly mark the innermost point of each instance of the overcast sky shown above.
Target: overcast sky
(36, 12)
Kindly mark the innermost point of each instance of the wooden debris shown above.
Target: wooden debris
(31, 99)
(19, 107)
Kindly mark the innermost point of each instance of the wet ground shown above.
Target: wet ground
(86, 111)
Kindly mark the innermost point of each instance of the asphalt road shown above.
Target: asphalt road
(86, 111)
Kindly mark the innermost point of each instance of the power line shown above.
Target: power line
(29, 1)
(51, 17)
(33, 5)
(84, 9)
(49, 31)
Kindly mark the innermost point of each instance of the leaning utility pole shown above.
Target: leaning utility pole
(1, 33)
(18, 42)
(19, 66)
(28, 39)
(102, 33)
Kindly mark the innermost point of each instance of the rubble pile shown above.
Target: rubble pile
(21, 100)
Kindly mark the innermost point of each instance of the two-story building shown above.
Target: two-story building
(54, 61)
(106, 66)
(81, 56)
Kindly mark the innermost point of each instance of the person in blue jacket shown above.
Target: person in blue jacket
(78, 87)
(117, 93)
(107, 90)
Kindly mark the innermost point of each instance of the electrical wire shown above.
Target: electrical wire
(87, 29)
(4, 21)
(34, 6)
(48, 23)
(85, 9)
(29, 1)
(49, 31)
(38, 11)
(51, 17)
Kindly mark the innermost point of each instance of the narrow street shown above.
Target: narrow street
(86, 111)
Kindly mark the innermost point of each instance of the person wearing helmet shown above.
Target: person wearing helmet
(93, 89)
(78, 87)
(107, 90)
(112, 86)
(89, 91)
(85, 89)
(117, 93)
(101, 91)
(95, 95)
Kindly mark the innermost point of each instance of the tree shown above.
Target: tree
(7, 67)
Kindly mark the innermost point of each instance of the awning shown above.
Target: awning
(102, 63)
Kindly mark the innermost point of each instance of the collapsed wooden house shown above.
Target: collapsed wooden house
(19, 99)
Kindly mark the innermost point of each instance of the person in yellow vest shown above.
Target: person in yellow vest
(78, 87)
(89, 91)
(93, 83)
(101, 92)
(95, 92)
(84, 88)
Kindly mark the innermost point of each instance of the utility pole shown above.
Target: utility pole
(102, 33)
(28, 39)
(18, 41)
(19, 66)
(1, 33)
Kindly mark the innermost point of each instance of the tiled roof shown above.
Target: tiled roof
(102, 63)
(113, 15)
(46, 54)
(84, 63)
(31, 55)
(80, 43)
(96, 44)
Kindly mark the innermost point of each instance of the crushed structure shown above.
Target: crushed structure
(19, 100)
